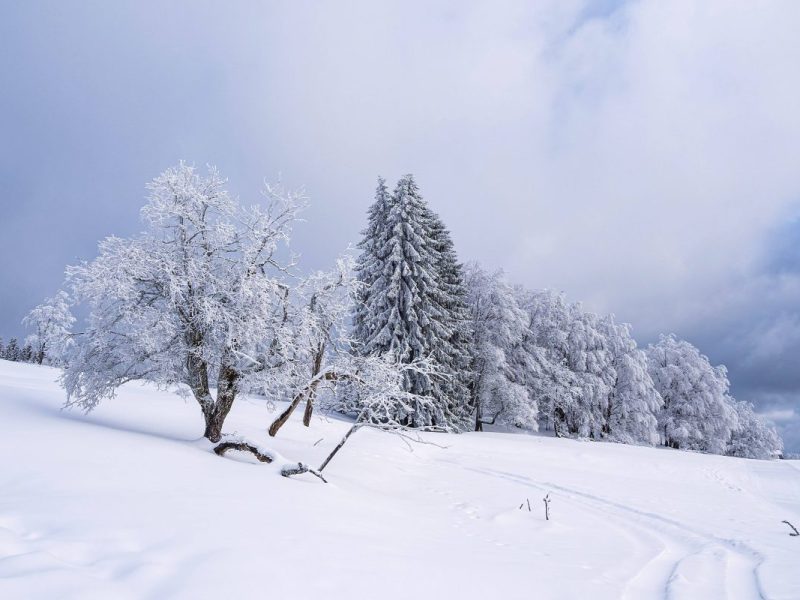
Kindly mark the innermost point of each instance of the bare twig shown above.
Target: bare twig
(794, 531)
(546, 500)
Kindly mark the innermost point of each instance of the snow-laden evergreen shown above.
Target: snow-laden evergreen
(411, 303)
(370, 264)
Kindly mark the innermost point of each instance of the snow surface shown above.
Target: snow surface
(128, 503)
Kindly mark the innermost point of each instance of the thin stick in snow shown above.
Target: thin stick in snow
(546, 500)
(794, 531)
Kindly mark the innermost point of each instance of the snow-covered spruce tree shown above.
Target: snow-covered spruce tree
(196, 299)
(634, 404)
(370, 263)
(698, 413)
(51, 322)
(500, 361)
(453, 356)
(12, 350)
(404, 309)
(26, 354)
(752, 437)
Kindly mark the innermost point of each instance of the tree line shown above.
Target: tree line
(207, 299)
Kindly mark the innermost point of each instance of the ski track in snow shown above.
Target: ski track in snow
(701, 558)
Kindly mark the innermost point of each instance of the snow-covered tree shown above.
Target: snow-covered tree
(197, 299)
(589, 358)
(370, 264)
(323, 350)
(453, 356)
(404, 309)
(499, 366)
(12, 350)
(752, 437)
(698, 413)
(52, 322)
(633, 407)
(552, 382)
(26, 354)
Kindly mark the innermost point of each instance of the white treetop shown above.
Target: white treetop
(698, 414)
(51, 322)
(198, 298)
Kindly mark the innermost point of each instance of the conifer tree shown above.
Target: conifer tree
(12, 350)
(369, 267)
(411, 306)
(454, 351)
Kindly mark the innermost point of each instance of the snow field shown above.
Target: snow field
(127, 502)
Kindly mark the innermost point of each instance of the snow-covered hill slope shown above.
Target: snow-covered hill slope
(127, 503)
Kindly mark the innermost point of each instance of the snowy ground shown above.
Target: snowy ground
(127, 503)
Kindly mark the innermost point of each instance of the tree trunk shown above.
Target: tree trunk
(478, 422)
(227, 387)
(309, 409)
(308, 393)
(214, 423)
(214, 411)
(317, 367)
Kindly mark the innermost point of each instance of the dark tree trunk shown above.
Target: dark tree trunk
(214, 411)
(558, 419)
(227, 388)
(478, 422)
(284, 416)
(315, 369)
(307, 393)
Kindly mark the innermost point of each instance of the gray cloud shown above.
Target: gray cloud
(640, 156)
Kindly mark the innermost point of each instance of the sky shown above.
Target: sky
(642, 157)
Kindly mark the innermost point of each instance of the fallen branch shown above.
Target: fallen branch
(401, 432)
(794, 531)
(338, 447)
(299, 469)
(242, 446)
